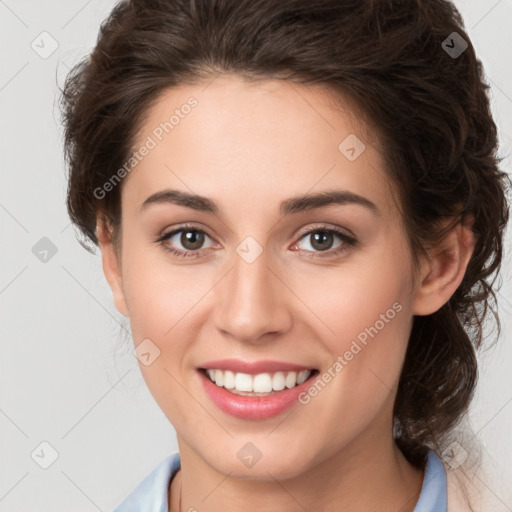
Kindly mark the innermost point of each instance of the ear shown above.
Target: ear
(442, 272)
(111, 265)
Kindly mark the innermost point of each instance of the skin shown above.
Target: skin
(249, 146)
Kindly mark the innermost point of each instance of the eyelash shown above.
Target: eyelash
(347, 240)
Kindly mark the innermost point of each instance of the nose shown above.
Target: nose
(251, 302)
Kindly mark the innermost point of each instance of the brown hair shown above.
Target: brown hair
(392, 59)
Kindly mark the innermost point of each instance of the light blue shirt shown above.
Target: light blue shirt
(151, 494)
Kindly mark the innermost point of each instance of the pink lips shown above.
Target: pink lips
(253, 407)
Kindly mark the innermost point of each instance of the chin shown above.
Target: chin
(266, 469)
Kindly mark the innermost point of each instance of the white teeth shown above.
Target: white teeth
(291, 380)
(229, 379)
(303, 375)
(243, 381)
(219, 377)
(278, 381)
(260, 383)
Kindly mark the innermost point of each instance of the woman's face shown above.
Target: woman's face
(263, 279)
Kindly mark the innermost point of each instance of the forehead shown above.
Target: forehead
(238, 138)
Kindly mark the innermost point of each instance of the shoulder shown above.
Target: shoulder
(458, 499)
(150, 495)
(468, 492)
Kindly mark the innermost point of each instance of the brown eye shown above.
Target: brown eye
(184, 241)
(322, 240)
(191, 239)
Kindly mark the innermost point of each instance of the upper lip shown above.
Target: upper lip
(254, 367)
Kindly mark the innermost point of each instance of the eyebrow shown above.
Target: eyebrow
(287, 207)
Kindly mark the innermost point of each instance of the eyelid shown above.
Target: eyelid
(183, 227)
(326, 227)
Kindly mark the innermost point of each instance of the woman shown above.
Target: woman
(214, 148)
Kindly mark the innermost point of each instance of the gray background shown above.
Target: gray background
(67, 375)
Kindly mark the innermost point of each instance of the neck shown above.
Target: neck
(377, 479)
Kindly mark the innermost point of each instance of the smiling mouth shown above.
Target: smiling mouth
(261, 384)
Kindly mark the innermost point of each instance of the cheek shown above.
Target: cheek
(355, 299)
(366, 317)
(160, 295)
(162, 302)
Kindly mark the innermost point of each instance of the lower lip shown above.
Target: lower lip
(253, 407)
